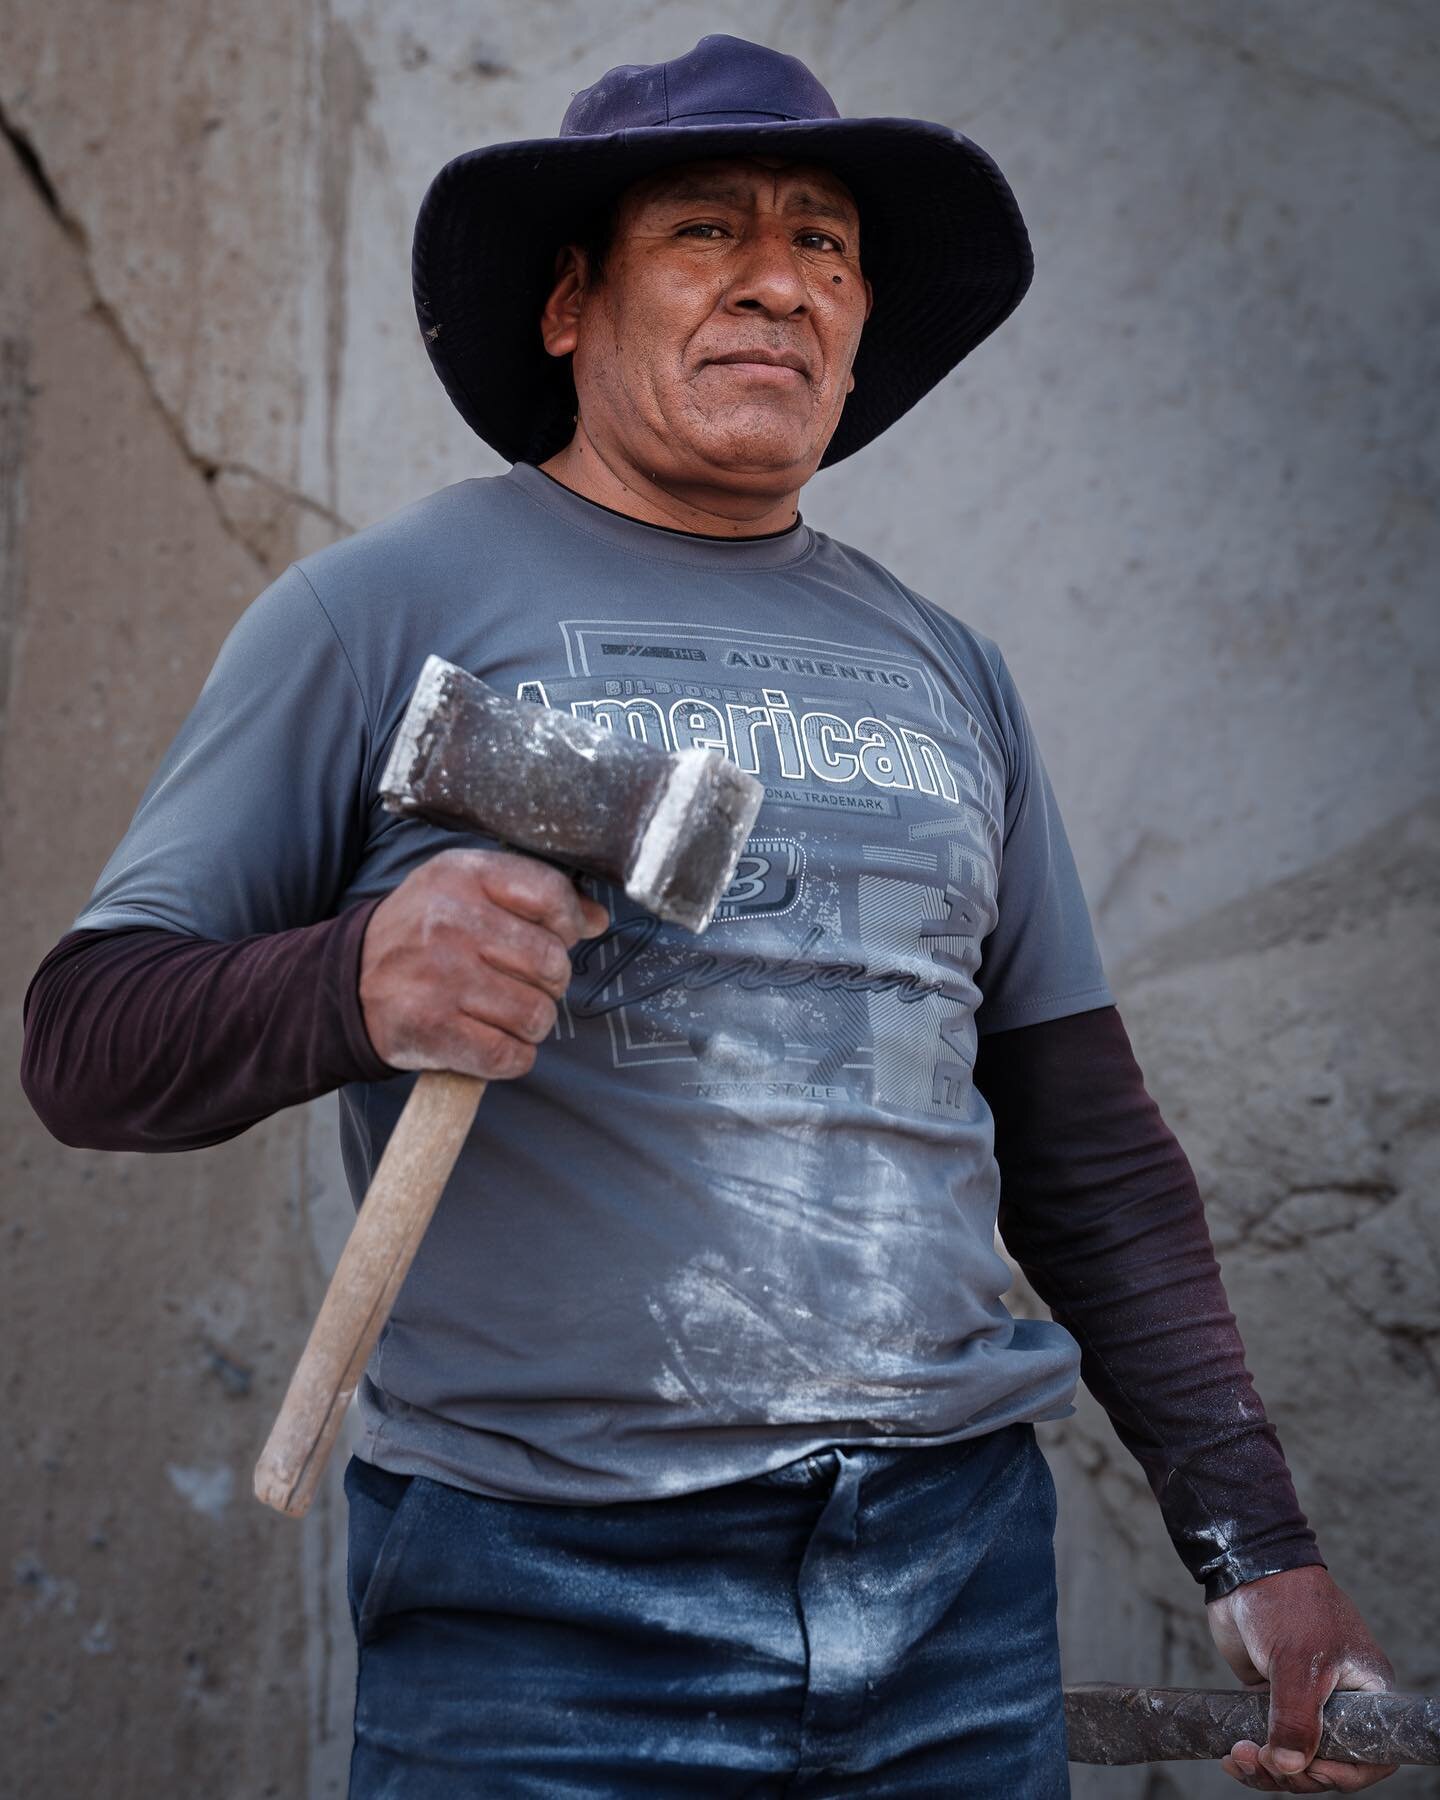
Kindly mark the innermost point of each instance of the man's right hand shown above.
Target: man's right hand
(463, 963)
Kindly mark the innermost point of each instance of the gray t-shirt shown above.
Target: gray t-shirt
(743, 1206)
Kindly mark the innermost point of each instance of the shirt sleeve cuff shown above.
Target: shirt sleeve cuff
(345, 951)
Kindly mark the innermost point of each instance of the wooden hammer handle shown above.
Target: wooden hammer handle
(388, 1228)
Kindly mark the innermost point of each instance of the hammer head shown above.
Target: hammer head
(669, 828)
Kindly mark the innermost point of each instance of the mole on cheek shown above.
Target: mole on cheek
(836, 279)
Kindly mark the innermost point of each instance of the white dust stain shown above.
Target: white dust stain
(669, 1386)
(824, 1289)
(209, 1491)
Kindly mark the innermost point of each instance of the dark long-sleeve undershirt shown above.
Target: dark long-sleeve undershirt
(148, 1040)
(1100, 1208)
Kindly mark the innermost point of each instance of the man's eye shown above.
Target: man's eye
(702, 230)
(820, 240)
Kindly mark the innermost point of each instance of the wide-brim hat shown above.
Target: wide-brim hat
(941, 237)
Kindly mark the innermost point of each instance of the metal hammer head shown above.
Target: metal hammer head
(669, 828)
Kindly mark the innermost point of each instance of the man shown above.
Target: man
(698, 1455)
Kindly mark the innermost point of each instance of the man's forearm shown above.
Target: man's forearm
(1099, 1206)
(149, 1040)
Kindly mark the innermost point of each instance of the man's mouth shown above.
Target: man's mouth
(764, 365)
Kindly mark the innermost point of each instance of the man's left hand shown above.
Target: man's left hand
(1302, 1634)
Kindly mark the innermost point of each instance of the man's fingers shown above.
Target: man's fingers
(1322, 1777)
(1349, 1778)
(1240, 1765)
(1298, 1692)
(471, 938)
(486, 1051)
(466, 1047)
(597, 917)
(529, 952)
(1302, 1633)
(1243, 1765)
(514, 1007)
(535, 891)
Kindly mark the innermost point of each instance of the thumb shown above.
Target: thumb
(1299, 1688)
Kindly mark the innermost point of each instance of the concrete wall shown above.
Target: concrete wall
(1191, 489)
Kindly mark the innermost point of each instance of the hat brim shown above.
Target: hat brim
(942, 242)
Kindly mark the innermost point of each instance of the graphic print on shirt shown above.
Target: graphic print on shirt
(840, 963)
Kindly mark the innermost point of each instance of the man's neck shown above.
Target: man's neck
(707, 511)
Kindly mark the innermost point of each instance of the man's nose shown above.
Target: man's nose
(769, 278)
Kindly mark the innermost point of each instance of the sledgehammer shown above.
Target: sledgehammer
(668, 828)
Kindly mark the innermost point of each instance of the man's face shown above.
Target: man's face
(715, 349)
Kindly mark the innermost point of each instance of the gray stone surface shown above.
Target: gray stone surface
(1190, 487)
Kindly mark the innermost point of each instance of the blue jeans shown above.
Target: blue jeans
(866, 1622)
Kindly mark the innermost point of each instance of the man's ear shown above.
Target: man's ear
(560, 319)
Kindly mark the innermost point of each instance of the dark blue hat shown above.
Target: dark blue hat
(942, 240)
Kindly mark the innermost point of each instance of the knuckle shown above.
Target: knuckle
(438, 907)
(552, 881)
(541, 1021)
(511, 1004)
(516, 869)
(453, 870)
(550, 977)
(526, 881)
(555, 891)
(498, 1054)
(462, 878)
(534, 955)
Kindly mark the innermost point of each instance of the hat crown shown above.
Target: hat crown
(723, 80)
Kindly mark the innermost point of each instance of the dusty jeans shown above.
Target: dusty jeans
(863, 1623)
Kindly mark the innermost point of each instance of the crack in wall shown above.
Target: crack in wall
(1259, 1232)
(212, 472)
(1413, 1347)
(105, 314)
(35, 173)
(37, 176)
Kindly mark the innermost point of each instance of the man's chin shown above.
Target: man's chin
(766, 456)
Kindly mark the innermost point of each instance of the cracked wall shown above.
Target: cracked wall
(151, 1305)
(1189, 487)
